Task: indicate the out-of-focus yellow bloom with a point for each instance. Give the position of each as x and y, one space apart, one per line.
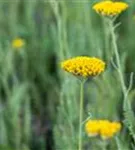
92 128
110 8
18 43
104 128
109 129
83 66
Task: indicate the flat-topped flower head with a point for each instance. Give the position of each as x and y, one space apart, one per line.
110 8
83 66
18 43
105 128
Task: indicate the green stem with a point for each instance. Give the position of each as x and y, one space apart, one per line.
119 68
81 114
104 145
126 104
107 35
119 146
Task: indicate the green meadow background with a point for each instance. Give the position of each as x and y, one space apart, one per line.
39 102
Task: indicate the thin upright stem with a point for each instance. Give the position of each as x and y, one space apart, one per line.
119 146
104 145
81 114
119 68
115 47
126 104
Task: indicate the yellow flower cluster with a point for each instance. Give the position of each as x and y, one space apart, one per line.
18 43
104 128
83 66
110 8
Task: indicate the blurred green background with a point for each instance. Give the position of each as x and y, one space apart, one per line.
39 103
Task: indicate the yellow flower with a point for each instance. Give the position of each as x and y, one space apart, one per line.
110 8
83 66
109 129
92 128
18 43
104 128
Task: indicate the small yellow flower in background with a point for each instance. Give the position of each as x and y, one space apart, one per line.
83 66
106 129
18 43
110 8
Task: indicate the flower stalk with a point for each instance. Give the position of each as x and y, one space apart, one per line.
81 114
118 64
126 104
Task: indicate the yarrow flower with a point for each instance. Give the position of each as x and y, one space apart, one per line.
83 66
110 8
18 43
106 129
92 127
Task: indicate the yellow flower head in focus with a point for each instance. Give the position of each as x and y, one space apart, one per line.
18 43
83 66
110 8
104 128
